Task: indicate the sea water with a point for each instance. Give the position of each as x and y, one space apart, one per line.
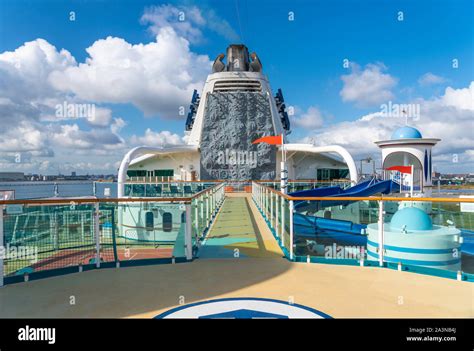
39 190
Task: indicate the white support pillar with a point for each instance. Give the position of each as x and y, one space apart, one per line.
188 239
291 229
1 245
97 235
381 233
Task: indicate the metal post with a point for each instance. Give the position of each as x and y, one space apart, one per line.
207 209
381 234
196 214
277 203
188 241
56 231
291 229
265 204
97 235
201 205
283 177
271 208
282 222
213 201
114 239
1 245
259 196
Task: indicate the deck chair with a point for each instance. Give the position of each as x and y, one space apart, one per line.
188 189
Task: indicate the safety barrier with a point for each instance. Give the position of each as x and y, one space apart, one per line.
44 237
338 230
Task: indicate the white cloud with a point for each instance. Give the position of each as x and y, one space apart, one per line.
460 98
187 21
27 69
157 77
367 87
448 117
311 119
117 125
430 79
151 138
100 117
23 137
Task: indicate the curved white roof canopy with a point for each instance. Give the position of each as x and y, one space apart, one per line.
142 151
145 151
346 156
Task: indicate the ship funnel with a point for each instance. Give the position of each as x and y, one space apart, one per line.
237 58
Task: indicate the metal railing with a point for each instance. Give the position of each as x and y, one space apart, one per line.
330 222
44 237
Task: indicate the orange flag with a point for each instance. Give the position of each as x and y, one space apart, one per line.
272 140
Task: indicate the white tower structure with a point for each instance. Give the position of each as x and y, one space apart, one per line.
407 147
235 107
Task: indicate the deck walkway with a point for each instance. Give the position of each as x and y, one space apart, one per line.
239 232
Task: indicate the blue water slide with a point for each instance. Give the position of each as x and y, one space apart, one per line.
467 247
366 188
330 230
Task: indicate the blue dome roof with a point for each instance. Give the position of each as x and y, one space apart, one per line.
406 132
412 218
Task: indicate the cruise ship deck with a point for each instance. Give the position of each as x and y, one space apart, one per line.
241 258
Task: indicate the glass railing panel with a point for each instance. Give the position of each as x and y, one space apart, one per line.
150 230
39 238
166 189
108 221
430 237
332 230
286 239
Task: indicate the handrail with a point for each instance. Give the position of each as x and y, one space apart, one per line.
188 199
202 192
368 198
172 181
69 201
234 181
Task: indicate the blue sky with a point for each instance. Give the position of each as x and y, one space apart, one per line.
304 57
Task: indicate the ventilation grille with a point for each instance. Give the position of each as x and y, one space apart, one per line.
238 85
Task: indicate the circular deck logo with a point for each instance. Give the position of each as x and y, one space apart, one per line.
242 308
